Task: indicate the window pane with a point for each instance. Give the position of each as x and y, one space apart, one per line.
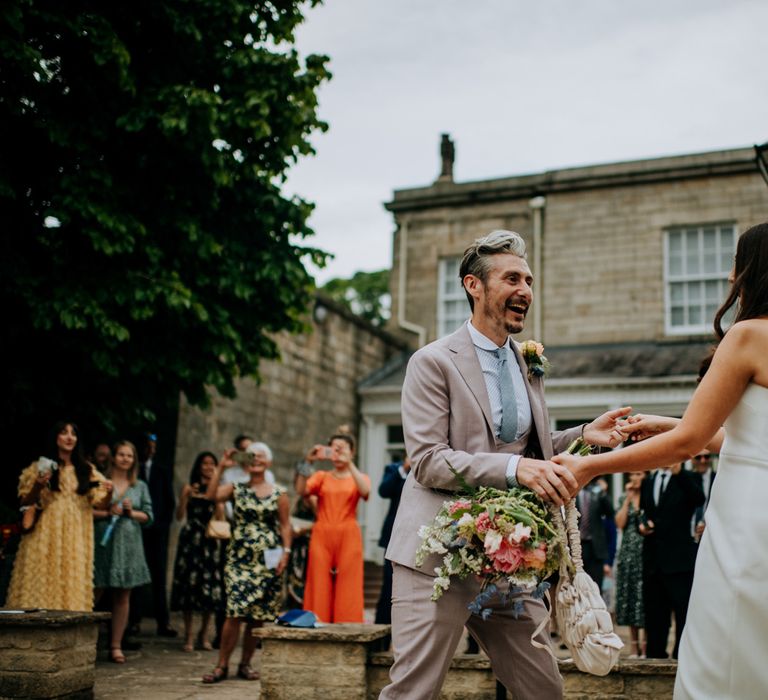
710 262
692 265
677 293
695 315
710 310
678 316
675 264
712 291
726 261
726 238
710 239
694 292
675 243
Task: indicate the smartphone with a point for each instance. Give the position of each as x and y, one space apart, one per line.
327 453
242 458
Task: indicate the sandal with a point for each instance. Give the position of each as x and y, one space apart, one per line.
245 672
188 647
219 674
116 655
203 643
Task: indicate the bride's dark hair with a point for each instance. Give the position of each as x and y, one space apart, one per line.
749 291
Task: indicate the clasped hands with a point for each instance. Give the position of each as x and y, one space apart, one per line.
560 479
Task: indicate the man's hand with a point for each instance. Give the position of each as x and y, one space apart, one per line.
606 430
550 481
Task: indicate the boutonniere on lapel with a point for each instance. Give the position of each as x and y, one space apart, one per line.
533 354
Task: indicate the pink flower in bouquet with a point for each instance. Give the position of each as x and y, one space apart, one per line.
507 557
536 558
459 505
483 522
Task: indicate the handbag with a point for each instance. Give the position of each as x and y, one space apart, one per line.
218 529
584 622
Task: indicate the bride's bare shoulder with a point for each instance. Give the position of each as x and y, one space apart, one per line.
752 329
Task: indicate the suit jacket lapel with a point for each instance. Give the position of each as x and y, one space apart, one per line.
466 362
536 401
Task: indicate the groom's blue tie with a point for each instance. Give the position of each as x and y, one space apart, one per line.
508 431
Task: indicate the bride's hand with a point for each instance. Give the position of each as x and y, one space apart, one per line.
642 426
577 467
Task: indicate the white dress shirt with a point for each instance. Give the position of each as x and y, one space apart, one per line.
489 363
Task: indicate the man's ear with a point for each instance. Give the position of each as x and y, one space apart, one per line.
473 285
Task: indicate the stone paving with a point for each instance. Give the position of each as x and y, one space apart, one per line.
160 670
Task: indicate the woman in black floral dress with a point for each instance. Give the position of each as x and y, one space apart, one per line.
256 557
629 565
197 579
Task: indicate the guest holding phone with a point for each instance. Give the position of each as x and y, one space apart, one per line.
334 590
54 563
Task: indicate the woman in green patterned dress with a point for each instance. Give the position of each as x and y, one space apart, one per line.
119 561
629 564
257 555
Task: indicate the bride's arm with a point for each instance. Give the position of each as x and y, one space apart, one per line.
732 368
642 426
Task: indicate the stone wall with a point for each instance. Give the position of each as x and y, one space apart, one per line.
302 398
345 662
48 654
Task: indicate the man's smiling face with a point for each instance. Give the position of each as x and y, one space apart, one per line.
503 300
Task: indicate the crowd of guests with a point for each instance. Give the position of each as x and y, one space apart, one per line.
661 517
85 540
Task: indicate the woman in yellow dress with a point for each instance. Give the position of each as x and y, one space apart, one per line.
54 563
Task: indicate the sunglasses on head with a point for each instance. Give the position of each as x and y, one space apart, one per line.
702 458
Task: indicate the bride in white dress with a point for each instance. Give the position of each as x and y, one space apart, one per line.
724 650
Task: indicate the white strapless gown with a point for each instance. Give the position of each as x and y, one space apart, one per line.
724 650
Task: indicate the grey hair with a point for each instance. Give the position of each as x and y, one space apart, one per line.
476 260
255 447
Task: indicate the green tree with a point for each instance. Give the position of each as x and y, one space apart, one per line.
365 293
148 248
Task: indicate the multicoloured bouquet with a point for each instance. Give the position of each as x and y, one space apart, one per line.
496 535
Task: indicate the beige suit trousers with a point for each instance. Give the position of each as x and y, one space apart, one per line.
426 635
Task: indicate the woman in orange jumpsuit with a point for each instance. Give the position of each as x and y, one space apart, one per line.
334 588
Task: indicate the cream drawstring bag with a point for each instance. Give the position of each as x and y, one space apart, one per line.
584 623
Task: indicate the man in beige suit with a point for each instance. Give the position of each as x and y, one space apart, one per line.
468 403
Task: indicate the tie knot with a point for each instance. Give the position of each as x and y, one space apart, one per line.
502 353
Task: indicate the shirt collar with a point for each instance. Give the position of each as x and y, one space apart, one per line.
482 341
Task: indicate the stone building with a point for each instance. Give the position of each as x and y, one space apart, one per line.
630 263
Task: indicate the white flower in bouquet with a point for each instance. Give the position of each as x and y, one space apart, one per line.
46 466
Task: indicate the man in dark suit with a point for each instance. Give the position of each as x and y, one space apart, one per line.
391 487
159 478
668 501
594 508
705 477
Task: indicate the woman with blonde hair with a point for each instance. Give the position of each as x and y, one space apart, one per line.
119 562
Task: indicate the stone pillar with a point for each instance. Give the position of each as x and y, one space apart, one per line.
327 663
48 654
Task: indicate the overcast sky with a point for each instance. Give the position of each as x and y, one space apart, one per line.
521 86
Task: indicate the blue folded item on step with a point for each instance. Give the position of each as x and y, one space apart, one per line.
299 618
